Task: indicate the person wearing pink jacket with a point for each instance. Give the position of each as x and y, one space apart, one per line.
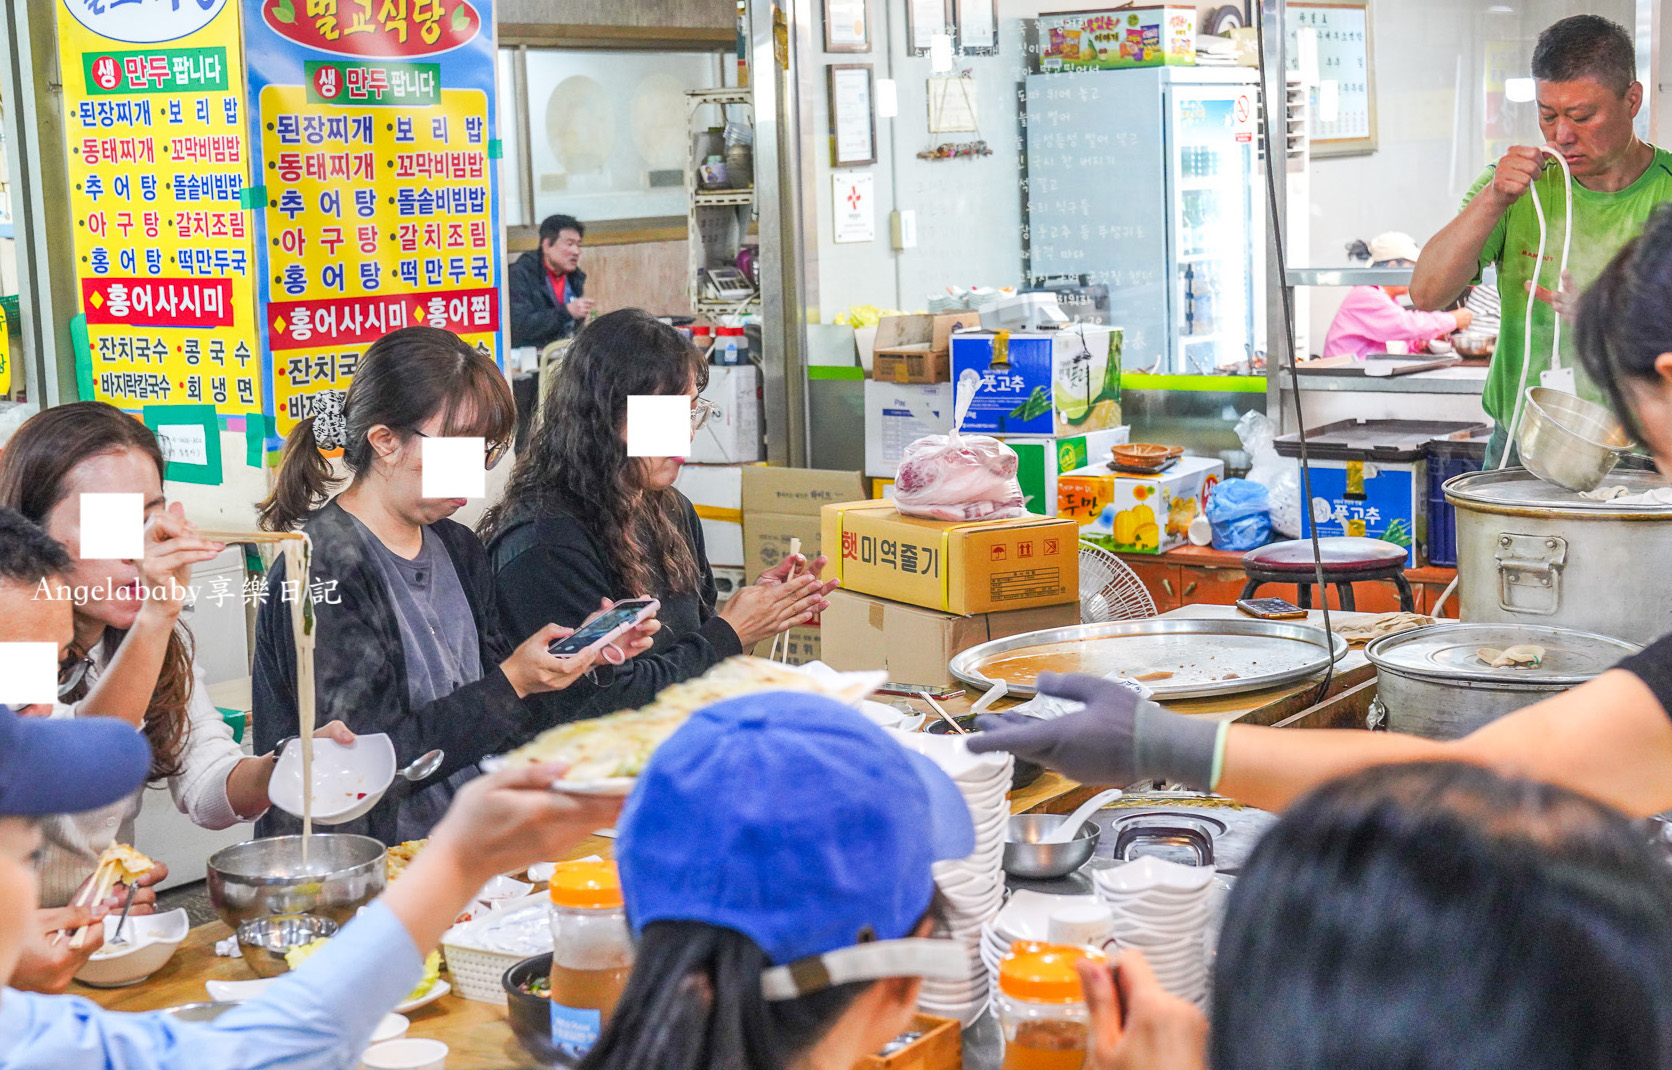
1371 316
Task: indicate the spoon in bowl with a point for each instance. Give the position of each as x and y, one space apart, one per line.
1067 830
423 765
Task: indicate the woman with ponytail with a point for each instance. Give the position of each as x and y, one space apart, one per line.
408 641
131 657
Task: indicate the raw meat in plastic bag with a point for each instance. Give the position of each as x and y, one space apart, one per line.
959 477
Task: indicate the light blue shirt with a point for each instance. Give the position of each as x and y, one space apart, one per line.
317 1017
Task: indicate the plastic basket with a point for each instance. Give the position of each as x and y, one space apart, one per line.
477 971
1446 459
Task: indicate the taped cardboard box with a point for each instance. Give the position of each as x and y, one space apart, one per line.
780 504
733 434
960 568
716 490
916 349
797 646
1138 514
914 644
898 414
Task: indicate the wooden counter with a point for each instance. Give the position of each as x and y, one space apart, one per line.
478 1034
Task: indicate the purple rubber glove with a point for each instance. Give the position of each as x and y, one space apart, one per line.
1117 739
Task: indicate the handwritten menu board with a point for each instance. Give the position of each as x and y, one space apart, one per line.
372 127
1330 45
164 249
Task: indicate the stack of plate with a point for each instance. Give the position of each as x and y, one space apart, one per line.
1163 909
1026 916
974 886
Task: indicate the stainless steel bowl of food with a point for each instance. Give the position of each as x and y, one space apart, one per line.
265 941
262 878
1026 857
1474 344
1567 440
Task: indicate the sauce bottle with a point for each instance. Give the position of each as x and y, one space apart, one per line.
1042 1007
592 954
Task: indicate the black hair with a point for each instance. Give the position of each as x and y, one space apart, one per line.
576 458
1358 249
553 226
1625 318
1586 46
694 1002
1440 916
28 554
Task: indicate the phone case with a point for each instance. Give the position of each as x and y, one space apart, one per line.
615 633
1271 609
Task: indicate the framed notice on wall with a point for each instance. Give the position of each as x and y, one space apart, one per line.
926 20
1329 44
853 123
847 26
977 23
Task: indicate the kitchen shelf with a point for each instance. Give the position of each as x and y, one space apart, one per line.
724 197
717 220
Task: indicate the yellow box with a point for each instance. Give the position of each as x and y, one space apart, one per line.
977 567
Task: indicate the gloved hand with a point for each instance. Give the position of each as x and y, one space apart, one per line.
1117 739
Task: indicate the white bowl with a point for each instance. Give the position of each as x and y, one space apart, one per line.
348 780
150 940
392 1027
1027 916
1147 873
408 1054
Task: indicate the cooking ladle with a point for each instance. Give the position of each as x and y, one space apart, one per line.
423 765
1067 830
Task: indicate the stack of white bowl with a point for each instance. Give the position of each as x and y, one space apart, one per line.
1162 909
973 887
1026 916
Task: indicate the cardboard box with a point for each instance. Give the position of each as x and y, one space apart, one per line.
915 349
898 414
1049 383
967 568
1110 40
732 435
717 492
914 644
1041 460
882 489
1138 514
797 646
780 504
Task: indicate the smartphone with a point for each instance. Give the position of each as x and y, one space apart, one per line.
1271 609
606 627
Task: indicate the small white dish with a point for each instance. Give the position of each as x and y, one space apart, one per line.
1148 873
223 991
149 941
392 1027
348 779
437 990
1027 916
412 1053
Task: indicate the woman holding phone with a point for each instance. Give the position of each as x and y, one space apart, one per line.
408 638
581 521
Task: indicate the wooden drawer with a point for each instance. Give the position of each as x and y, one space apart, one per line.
1161 577
1210 586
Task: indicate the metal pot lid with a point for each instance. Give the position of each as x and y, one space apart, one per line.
1450 652
1517 488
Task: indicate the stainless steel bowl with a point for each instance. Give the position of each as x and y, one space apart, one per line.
262 878
207 1011
1569 441
1026 857
264 941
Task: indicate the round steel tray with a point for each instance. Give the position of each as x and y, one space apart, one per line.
1201 653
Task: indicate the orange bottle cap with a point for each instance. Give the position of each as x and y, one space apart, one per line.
586 885
1045 973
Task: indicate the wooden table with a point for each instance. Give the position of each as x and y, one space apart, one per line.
478 1034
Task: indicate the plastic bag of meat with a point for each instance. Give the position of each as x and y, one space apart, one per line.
959 477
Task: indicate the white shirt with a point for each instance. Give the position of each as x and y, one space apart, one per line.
73 843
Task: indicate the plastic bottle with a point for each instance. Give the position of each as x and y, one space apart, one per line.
729 347
1042 1007
592 954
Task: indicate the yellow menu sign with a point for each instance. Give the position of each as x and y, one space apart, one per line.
158 166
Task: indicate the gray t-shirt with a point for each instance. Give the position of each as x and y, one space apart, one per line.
443 651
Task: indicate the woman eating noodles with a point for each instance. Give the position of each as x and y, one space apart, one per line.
131 657
408 640
319 1016
582 521
1610 738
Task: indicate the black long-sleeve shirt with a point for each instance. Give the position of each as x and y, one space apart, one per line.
360 667
550 570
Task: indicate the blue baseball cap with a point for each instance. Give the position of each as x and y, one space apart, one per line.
792 819
67 766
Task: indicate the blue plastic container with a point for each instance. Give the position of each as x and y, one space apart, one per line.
1445 460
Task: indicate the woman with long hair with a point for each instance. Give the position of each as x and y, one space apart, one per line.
1424 916
131 657
582 521
408 641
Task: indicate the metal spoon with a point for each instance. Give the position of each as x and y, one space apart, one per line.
121 923
1071 826
424 765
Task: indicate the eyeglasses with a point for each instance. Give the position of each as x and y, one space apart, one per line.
493 452
702 411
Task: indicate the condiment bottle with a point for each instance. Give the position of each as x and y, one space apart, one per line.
592 954
1042 1007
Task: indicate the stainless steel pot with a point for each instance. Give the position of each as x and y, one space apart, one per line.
1532 553
1432 682
261 878
1569 441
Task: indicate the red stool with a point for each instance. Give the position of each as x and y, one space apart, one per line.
1347 560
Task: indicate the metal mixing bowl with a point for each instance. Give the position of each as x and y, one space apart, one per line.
264 941
261 878
1569 441
1026 857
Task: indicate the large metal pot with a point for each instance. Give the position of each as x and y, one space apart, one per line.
1532 553
262 878
1432 681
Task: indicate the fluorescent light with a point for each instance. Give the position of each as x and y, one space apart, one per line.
1519 90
